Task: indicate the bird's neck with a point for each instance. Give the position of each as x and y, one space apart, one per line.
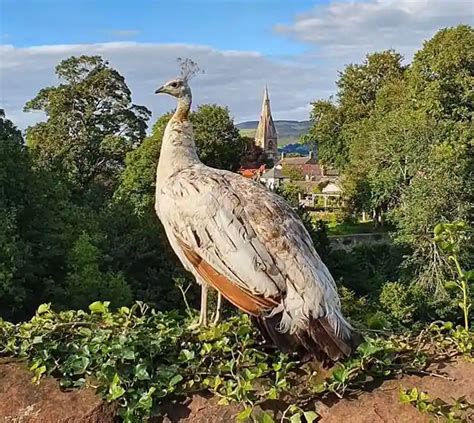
184 106
178 150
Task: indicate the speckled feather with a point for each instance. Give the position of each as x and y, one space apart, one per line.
249 236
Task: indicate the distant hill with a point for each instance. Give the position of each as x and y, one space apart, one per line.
289 131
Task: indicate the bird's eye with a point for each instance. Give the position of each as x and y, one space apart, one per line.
174 84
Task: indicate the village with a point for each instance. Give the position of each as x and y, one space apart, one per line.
319 186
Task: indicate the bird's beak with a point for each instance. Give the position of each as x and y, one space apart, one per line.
160 90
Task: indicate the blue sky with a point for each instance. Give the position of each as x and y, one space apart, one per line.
223 24
296 47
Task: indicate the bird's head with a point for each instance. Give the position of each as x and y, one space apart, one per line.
179 87
176 87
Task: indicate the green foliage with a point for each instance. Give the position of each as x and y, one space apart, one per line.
290 192
358 86
85 281
217 139
450 237
292 172
402 137
397 300
137 182
91 123
459 411
365 269
142 358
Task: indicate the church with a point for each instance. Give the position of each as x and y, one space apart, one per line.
266 136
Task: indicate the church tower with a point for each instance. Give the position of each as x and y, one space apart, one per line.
266 136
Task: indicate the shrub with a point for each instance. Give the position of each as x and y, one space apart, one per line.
398 301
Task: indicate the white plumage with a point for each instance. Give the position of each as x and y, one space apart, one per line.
236 236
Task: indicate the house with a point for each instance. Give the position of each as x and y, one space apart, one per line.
273 178
308 166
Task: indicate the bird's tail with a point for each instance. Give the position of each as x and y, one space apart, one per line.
317 340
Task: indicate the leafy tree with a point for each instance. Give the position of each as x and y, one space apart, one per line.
91 123
137 182
293 172
217 139
442 74
254 155
33 211
357 86
86 283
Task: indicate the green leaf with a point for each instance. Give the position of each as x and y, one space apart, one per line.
296 418
244 414
310 416
128 354
141 372
266 418
115 391
175 380
79 365
43 308
98 307
438 229
469 275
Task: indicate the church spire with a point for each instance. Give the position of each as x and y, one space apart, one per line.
266 135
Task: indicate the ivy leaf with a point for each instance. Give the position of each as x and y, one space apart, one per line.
175 380
244 414
296 418
141 372
310 416
266 418
97 307
43 308
79 365
115 391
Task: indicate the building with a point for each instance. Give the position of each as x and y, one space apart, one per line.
266 136
273 178
307 166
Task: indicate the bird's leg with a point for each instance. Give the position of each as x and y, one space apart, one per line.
203 314
217 315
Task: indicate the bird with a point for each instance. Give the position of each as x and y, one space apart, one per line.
234 235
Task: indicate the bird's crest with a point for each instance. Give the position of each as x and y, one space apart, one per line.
189 68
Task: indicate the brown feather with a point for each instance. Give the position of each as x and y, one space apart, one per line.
241 298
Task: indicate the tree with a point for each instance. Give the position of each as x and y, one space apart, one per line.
358 86
91 123
217 139
254 155
33 211
442 74
293 172
86 283
137 182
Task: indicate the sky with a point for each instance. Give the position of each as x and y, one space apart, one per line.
296 47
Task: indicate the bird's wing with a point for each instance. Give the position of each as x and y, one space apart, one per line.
247 243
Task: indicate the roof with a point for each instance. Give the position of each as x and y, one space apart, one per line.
332 187
274 173
298 161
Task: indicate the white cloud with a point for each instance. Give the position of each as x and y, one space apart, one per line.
231 78
337 33
349 29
